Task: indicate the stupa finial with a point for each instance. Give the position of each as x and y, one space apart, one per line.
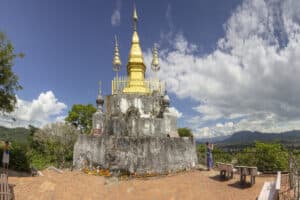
116 60
155 59
135 18
100 99
135 54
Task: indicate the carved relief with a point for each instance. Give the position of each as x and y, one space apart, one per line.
131 117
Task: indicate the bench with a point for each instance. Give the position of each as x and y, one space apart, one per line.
5 193
244 171
226 170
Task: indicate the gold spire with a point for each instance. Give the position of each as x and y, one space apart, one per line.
116 60
135 66
135 54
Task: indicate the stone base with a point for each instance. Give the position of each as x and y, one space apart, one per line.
133 115
138 155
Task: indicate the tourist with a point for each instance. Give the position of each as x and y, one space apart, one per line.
209 156
5 156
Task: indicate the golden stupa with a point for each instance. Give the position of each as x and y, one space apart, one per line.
135 66
135 81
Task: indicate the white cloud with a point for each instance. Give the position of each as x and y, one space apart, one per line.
45 109
60 118
251 79
116 16
174 111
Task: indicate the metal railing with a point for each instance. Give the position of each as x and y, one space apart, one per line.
119 83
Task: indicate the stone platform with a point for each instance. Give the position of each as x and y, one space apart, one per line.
135 154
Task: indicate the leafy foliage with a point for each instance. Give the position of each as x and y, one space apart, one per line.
247 157
267 157
54 145
185 132
81 117
201 153
221 156
19 159
40 161
8 80
32 129
218 155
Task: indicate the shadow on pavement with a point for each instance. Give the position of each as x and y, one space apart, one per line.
219 178
238 185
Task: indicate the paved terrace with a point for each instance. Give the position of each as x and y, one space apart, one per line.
187 185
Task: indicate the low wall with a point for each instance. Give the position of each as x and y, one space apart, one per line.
135 154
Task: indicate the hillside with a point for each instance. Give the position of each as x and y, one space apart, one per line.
249 137
14 134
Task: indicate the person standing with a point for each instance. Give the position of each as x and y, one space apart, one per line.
209 156
5 157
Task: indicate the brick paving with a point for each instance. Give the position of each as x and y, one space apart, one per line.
188 185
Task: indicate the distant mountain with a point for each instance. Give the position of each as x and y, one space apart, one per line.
249 137
14 134
212 139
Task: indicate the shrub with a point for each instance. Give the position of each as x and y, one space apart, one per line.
266 156
247 157
40 161
221 156
19 159
185 132
201 153
54 145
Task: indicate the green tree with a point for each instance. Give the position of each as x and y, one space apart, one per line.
32 130
81 117
219 155
9 83
266 156
185 132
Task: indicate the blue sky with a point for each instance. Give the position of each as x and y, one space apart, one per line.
69 46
